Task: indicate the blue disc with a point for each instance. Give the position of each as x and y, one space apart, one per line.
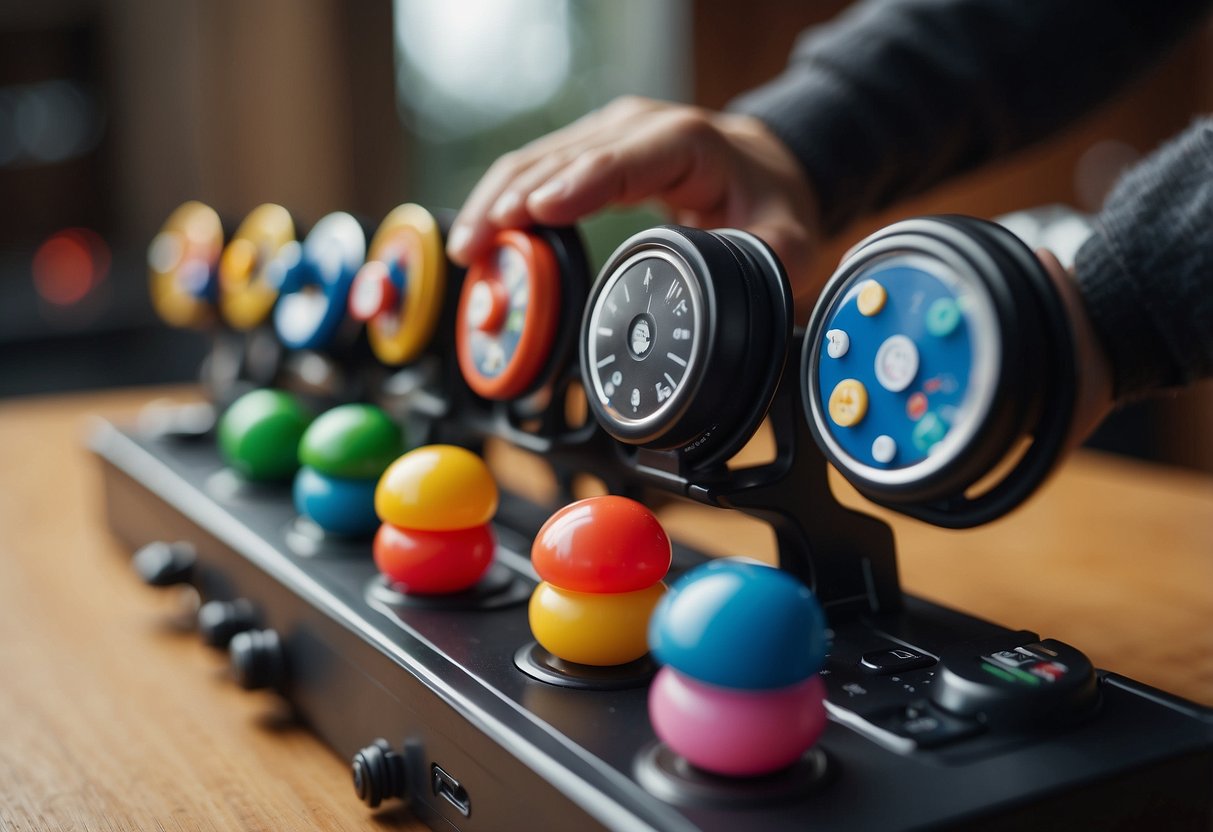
916 346
340 506
739 624
316 289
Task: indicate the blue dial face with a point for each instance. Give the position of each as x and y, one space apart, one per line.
313 303
493 350
905 369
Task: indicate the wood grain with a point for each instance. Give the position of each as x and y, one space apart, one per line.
114 717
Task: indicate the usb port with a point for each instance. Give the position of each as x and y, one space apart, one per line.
448 787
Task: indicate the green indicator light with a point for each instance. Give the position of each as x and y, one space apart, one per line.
998 672
1024 676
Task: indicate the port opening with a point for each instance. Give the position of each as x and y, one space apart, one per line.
448 787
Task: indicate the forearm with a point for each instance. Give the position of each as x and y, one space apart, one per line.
1146 275
897 95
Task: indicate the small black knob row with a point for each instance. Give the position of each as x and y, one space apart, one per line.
258 659
378 773
220 621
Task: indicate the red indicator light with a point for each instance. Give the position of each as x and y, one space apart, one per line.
69 264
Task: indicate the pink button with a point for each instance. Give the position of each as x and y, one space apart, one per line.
737 733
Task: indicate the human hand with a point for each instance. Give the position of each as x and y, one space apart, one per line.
707 169
1093 373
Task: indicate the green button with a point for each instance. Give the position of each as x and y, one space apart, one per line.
997 672
942 317
928 431
352 441
259 434
1010 674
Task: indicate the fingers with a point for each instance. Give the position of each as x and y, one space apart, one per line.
502 191
708 169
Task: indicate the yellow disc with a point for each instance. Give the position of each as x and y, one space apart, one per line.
409 235
190 240
848 403
593 628
245 296
872 297
436 488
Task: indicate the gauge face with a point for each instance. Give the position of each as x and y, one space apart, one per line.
245 296
906 367
644 343
308 318
509 311
182 263
409 243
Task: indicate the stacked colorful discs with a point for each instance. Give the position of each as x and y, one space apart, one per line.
259 434
435 503
342 454
739 694
183 262
602 561
246 295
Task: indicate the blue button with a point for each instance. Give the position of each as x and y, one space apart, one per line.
739 624
337 505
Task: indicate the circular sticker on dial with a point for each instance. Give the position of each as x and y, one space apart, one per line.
896 363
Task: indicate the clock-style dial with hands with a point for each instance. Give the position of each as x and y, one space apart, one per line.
644 344
684 340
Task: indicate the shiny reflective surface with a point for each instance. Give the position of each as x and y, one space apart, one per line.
437 488
602 544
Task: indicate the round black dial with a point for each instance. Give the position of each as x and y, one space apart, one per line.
644 342
937 350
684 339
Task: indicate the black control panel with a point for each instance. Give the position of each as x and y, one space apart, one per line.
935 719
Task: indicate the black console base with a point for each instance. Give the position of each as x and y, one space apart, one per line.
487 746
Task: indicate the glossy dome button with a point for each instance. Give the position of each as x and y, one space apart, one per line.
259 434
340 506
740 625
602 544
353 441
436 488
737 733
590 628
433 563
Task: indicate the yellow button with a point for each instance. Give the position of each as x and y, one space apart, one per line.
871 298
436 488
848 403
595 628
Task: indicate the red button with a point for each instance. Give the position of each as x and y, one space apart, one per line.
916 406
433 563
603 544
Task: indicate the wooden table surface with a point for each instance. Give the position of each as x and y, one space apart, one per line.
113 716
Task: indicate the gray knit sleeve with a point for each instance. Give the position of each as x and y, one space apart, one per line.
896 95
1146 274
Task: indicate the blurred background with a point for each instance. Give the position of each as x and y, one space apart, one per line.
113 112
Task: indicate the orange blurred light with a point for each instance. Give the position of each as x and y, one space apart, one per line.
69 264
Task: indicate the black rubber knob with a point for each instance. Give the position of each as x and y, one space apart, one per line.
258 660
219 621
378 773
1018 682
165 564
